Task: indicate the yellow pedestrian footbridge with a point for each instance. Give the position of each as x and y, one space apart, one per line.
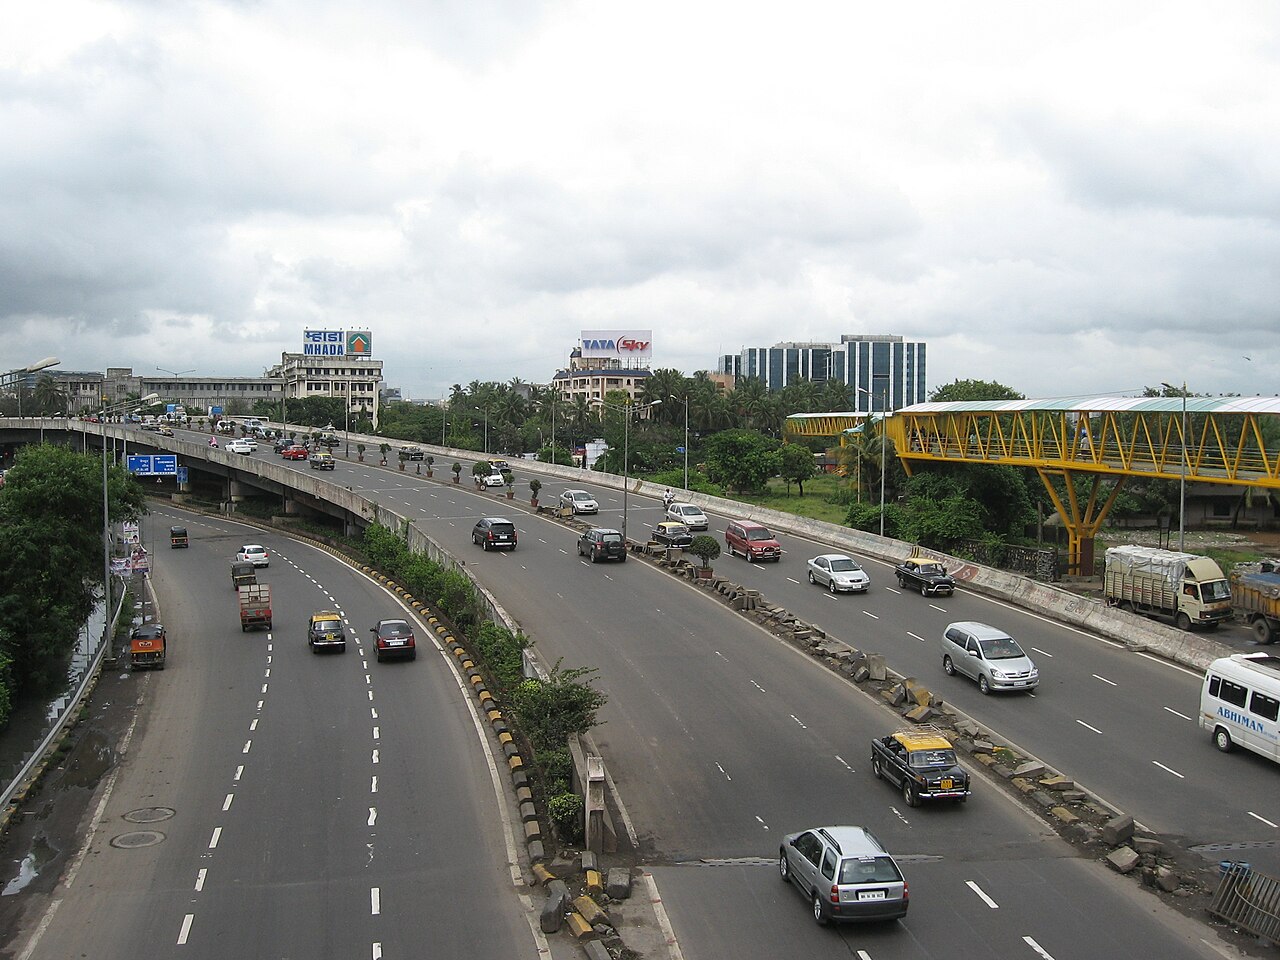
1078 444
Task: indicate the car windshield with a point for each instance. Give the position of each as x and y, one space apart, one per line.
931 569
581 496
870 870
503 528
759 534
844 565
327 626
610 538
1215 590
932 758
394 628
1002 648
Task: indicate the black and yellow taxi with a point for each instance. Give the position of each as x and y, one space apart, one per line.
326 632
922 763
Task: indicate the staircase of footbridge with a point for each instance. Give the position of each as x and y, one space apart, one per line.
1083 448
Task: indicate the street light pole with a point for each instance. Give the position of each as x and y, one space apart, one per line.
686 441
1182 470
627 409
883 451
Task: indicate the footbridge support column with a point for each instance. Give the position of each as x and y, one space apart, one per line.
1080 520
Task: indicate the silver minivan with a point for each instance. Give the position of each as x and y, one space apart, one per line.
987 655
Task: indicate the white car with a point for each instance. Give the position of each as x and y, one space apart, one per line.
495 480
253 444
838 573
254 553
238 446
691 516
579 501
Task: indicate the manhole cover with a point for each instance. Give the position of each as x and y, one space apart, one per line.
149 815
139 838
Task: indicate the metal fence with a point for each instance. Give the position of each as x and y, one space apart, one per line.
1249 900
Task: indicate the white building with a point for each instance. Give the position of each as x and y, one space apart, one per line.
355 379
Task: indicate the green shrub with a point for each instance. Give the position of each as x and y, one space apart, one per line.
502 652
556 767
565 812
548 711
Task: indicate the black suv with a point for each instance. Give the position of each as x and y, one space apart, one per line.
599 543
494 532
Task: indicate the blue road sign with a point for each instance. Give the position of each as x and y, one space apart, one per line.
154 465
679 449
182 474
141 465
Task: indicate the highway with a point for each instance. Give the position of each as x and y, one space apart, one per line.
721 740
276 803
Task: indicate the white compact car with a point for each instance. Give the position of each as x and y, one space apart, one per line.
688 514
254 553
838 573
238 446
579 501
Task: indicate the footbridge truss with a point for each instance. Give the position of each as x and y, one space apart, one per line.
1081 446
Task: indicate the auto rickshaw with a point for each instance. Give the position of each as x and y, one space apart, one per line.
178 538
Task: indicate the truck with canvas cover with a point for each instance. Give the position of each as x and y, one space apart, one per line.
1185 588
255 606
1255 599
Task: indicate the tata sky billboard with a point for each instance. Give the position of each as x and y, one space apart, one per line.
629 346
337 343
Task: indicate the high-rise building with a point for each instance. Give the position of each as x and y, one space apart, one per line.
885 372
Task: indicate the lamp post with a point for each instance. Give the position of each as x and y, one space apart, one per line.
686 439
1182 469
883 427
627 410
175 374
106 518
29 368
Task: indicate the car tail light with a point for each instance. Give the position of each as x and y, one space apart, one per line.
906 893
835 893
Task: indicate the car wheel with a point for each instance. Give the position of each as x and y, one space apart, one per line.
811 579
623 558
875 768
819 914
909 794
784 868
413 654
1222 740
831 585
984 685
901 583
948 667
750 557
484 545
1182 622
923 588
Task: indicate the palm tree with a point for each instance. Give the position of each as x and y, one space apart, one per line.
47 398
748 400
837 397
663 385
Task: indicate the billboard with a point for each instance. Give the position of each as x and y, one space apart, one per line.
337 343
629 346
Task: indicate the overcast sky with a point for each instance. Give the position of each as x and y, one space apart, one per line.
1068 198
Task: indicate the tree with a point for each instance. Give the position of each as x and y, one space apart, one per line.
741 460
795 462
51 556
974 390
47 397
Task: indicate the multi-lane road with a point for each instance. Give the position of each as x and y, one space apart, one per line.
275 803
721 739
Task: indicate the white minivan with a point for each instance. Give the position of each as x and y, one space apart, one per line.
1240 703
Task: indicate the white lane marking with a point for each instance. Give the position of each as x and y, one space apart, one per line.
377 733
377 947
985 899
938 608
375 900
264 688
254 725
213 840
1087 727
831 597
375 756
374 712
845 762
364 664
1177 714
1168 769
721 769
267 675
1263 819
762 823
373 785
226 804
247 745
367 678
200 875
797 720
793 579
370 695
870 614
1037 948
898 813
260 703
239 773
916 635
1105 680
373 816
722 656
268 658
892 590
268 648
186 928
1043 653
757 686
862 954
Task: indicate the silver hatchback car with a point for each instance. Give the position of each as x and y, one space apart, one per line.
987 655
845 872
838 573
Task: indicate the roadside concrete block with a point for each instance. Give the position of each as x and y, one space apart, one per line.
1064 815
532 831
1122 859
595 883
875 666
589 860
596 950
528 811
579 927
1083 832
1167 880
536 851
1117 831
983 746
917 692
619 883
1057 783
554 906
1147 845
919 714
542 875
591 911
1029 769
861 674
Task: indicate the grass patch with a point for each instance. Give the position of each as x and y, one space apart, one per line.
815 504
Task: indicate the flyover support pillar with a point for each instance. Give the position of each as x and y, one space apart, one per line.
1080 520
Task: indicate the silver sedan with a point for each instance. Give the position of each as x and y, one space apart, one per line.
838 573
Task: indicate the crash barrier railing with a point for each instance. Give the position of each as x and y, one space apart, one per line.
83 670
1249 900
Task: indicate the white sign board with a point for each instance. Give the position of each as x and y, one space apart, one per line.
629 346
